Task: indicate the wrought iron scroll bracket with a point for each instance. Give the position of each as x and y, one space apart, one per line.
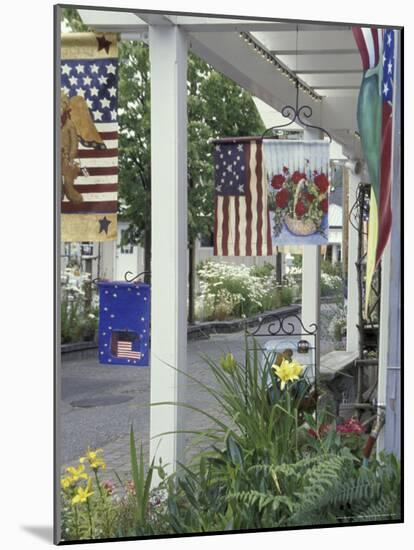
294 114
131 280
281 326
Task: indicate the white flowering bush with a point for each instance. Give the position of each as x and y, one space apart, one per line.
331 285
234 290
79 306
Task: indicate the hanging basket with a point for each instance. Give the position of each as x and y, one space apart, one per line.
300 227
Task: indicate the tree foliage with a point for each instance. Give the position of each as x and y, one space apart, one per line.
216 107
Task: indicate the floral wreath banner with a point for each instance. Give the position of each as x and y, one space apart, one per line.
298 189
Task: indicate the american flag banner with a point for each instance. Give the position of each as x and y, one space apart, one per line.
89 137
384 212
241 216
122 345
124 323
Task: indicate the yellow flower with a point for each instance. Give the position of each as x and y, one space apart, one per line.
66 482
82 494
228 362
287 372
297 368
92 458
77 473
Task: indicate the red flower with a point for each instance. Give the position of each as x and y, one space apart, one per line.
324 206
300 209
285 169
351 426
282 198
297 176
309 197
322 183
278 181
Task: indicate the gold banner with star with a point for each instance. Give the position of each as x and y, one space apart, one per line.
89 137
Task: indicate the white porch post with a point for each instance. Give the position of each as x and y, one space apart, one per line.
311 285
168 56
352 334
311 278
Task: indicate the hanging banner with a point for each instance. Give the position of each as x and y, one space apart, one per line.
89 137
298 187
241 215
124 323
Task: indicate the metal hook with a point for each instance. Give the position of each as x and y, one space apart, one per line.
294 113
136 276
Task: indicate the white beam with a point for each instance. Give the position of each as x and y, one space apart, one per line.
352 334
168 56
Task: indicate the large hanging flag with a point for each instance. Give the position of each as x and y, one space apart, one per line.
89 137
388 70
298 186
374 114
241 214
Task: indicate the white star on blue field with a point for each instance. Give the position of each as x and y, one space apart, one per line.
96 81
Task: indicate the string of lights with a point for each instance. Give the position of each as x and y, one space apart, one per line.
281 67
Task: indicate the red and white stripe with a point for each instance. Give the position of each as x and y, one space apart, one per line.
99 188
369 42
241 223
124 349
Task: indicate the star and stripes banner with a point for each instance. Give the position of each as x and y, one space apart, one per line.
89 137
377 49
124 323
241 220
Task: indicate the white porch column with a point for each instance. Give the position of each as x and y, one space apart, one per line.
335 253
311 277
352 334
311 286
168 56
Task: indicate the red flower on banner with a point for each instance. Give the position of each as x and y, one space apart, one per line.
297 176
309 197
278 181
300 209
285 169
282 198
322 183
324 206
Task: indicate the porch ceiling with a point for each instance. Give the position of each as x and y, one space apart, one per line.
325 58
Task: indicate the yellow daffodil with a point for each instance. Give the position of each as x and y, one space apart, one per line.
297 368
66 482
287 372
228 362
82 494
77 473
92 458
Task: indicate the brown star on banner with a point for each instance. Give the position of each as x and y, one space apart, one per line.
103 43
104 224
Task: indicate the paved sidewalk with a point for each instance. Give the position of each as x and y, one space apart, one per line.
99 403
